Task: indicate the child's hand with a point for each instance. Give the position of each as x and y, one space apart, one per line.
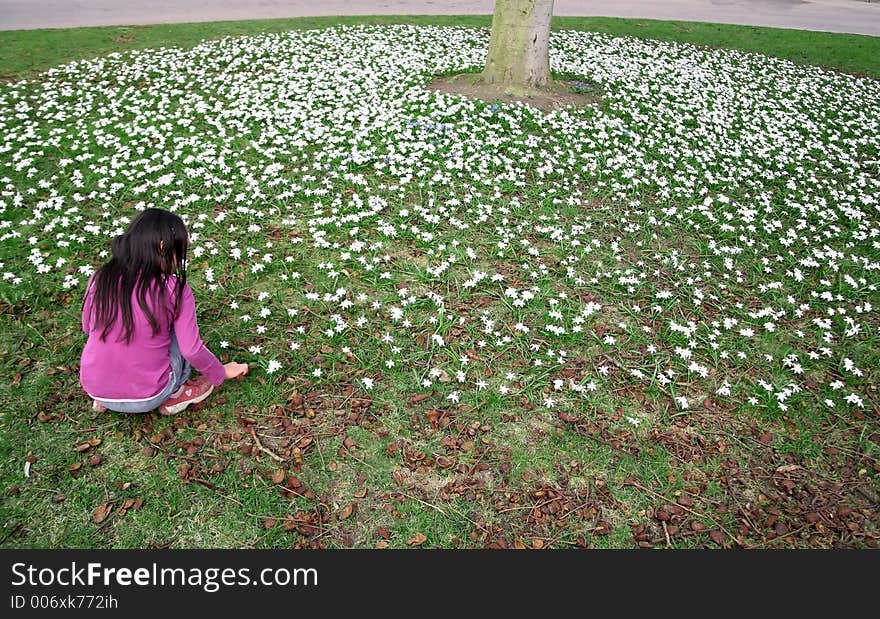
235 370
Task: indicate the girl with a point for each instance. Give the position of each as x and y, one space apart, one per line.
140 316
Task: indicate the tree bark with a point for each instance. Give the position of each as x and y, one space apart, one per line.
519 45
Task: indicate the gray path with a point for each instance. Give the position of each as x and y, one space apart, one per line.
856 16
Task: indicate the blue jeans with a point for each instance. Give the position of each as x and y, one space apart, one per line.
180 371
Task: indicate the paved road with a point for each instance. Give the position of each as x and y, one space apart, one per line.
856 16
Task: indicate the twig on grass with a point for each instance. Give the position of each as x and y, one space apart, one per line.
37 331
91 428
425 503
432 506
768 541
354 457
320 453
12 532
695 513
266 451
240 504
520 507
171 454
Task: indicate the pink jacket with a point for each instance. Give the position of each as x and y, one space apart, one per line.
141 369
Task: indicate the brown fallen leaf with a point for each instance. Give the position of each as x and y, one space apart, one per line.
82 447
382 544
537 543
346 511
101 512
417 540
717 536
418 398
74 466
603 527
788 468
444 462
278 476
360 495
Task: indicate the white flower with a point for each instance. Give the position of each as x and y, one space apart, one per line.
853 398
273 367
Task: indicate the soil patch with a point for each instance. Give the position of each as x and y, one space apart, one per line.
558 94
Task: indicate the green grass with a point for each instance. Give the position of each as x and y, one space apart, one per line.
603 477
25 52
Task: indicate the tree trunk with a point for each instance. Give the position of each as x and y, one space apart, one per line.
519 46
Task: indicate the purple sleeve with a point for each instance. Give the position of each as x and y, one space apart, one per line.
191 346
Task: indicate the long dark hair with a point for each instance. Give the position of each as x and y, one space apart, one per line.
144 256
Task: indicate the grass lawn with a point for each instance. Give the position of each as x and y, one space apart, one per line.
649 322
26 52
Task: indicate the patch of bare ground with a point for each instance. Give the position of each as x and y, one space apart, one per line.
558 93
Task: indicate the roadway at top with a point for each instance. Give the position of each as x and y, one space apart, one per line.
852 16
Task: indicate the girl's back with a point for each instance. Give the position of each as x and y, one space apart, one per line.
139 369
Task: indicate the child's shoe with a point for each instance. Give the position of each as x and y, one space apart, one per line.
191 392
98 407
